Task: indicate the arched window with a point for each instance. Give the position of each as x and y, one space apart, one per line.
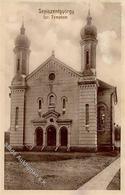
40 104
23 66
87 57
16 117
51 100
101 117
87 114
18 64
64 100
64 103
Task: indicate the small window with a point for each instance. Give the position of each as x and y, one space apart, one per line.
51 120
18 64
51 100
51 76
16 116
87 114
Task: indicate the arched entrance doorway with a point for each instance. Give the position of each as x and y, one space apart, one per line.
39 136
51 136
63 136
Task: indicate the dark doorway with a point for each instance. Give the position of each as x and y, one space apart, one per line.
63 136
39 136
51 136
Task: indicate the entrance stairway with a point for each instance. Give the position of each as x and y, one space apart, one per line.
62 149
49 149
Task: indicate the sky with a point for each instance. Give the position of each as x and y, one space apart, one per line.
62 36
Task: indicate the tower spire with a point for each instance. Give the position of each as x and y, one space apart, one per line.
22 52
89 18
22 29
88 46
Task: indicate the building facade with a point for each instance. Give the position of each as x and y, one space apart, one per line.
58 108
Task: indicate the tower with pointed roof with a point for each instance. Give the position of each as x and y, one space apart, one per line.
88 86
22 52
88 47
18 88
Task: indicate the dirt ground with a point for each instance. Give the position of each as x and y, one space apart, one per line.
55 175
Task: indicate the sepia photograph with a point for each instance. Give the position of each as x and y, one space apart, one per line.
61 95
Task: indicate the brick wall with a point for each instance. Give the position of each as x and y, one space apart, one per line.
88 95
17 100
65 84
104 137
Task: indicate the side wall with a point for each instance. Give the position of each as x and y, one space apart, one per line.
88 135
105 136
16 132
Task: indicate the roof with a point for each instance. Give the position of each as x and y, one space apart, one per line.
52 57
104 85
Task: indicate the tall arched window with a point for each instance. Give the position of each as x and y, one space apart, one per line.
23 66
87 57
52 100
16 117
101 117
18 64
87 114
40 104
64 103
64 100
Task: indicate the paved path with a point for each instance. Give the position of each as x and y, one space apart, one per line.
102 180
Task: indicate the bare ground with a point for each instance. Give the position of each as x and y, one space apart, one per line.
56 175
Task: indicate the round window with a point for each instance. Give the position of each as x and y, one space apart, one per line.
51 76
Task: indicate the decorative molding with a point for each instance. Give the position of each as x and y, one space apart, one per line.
64 121
37 122
87 86
12 87
53 63
51 113
14 91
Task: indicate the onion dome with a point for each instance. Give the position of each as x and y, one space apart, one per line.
89 31
22 40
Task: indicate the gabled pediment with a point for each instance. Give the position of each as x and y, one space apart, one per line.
51 113
53 62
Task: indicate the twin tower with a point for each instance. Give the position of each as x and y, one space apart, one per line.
88 52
